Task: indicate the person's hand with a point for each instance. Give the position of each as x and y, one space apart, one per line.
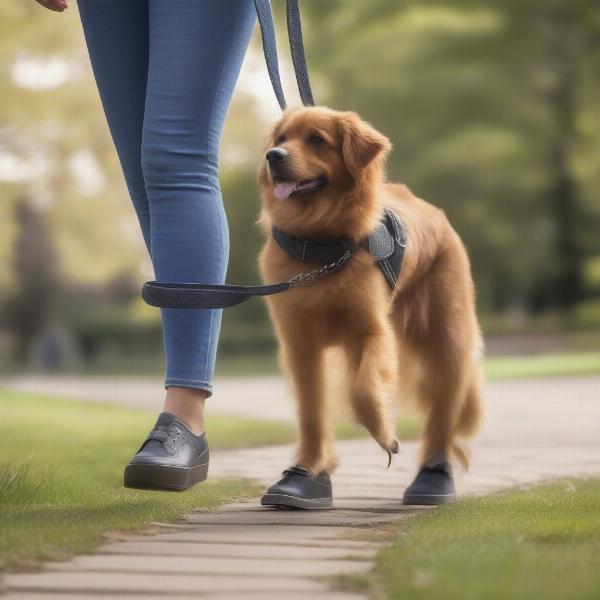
56 5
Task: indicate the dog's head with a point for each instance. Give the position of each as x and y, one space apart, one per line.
321 171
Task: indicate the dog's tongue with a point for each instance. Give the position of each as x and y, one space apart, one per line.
283 189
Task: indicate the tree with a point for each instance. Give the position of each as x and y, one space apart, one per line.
37 275
490 108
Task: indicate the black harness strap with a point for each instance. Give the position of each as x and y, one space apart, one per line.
320 251
386 244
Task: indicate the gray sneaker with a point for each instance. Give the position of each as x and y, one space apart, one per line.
299 488
434 484
171 457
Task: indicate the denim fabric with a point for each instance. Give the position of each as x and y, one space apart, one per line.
166 70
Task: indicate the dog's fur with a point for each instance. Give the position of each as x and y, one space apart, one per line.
427 325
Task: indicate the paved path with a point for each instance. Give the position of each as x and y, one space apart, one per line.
536 430
269 398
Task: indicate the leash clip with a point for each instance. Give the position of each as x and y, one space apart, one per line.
311 276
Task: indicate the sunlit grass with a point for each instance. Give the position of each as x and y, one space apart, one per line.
542 542
496 367
543 365
61 474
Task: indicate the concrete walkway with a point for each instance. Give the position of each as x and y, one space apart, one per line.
536 430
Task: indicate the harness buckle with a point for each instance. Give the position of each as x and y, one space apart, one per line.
304 248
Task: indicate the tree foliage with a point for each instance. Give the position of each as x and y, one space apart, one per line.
492 108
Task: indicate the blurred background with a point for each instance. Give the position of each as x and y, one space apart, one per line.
492 108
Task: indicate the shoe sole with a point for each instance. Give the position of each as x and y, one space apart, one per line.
284 501
160 477
434 499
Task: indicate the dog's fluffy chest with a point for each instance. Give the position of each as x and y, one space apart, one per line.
346 302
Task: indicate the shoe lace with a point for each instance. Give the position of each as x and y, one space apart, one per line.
165 434
297 470
438 468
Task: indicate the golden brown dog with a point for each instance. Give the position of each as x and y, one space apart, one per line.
328 180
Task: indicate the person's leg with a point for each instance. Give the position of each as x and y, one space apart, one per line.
116 34
118 42
196 50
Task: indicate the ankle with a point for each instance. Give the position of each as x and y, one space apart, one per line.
187 404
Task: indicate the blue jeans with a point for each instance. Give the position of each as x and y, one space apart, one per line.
166 70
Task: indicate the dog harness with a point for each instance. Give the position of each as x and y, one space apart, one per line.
386 244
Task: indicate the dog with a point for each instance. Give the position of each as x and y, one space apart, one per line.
323 177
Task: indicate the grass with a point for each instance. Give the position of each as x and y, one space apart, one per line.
61 469
542 542
496 367
543 365
265 364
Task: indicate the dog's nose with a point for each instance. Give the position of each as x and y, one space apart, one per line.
276 155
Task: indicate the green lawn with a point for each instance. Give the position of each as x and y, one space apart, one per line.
543 365
61 469
542 542
496 367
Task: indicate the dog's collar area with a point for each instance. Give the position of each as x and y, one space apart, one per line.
321 251
386 243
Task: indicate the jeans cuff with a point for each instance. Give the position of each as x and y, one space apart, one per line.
196 384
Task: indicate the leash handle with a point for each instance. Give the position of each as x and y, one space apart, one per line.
269 42
204 295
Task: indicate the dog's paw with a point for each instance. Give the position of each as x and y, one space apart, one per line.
393 448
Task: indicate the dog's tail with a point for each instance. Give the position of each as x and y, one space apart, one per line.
470 416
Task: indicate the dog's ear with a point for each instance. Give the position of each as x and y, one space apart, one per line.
361 143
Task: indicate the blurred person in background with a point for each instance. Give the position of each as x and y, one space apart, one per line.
166 71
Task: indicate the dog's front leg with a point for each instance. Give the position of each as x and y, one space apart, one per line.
304 361
371 364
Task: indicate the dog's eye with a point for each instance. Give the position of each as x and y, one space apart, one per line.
280 139
315 139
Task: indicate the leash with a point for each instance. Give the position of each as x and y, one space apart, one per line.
386 243
200 295
294 27
269 43
203 295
